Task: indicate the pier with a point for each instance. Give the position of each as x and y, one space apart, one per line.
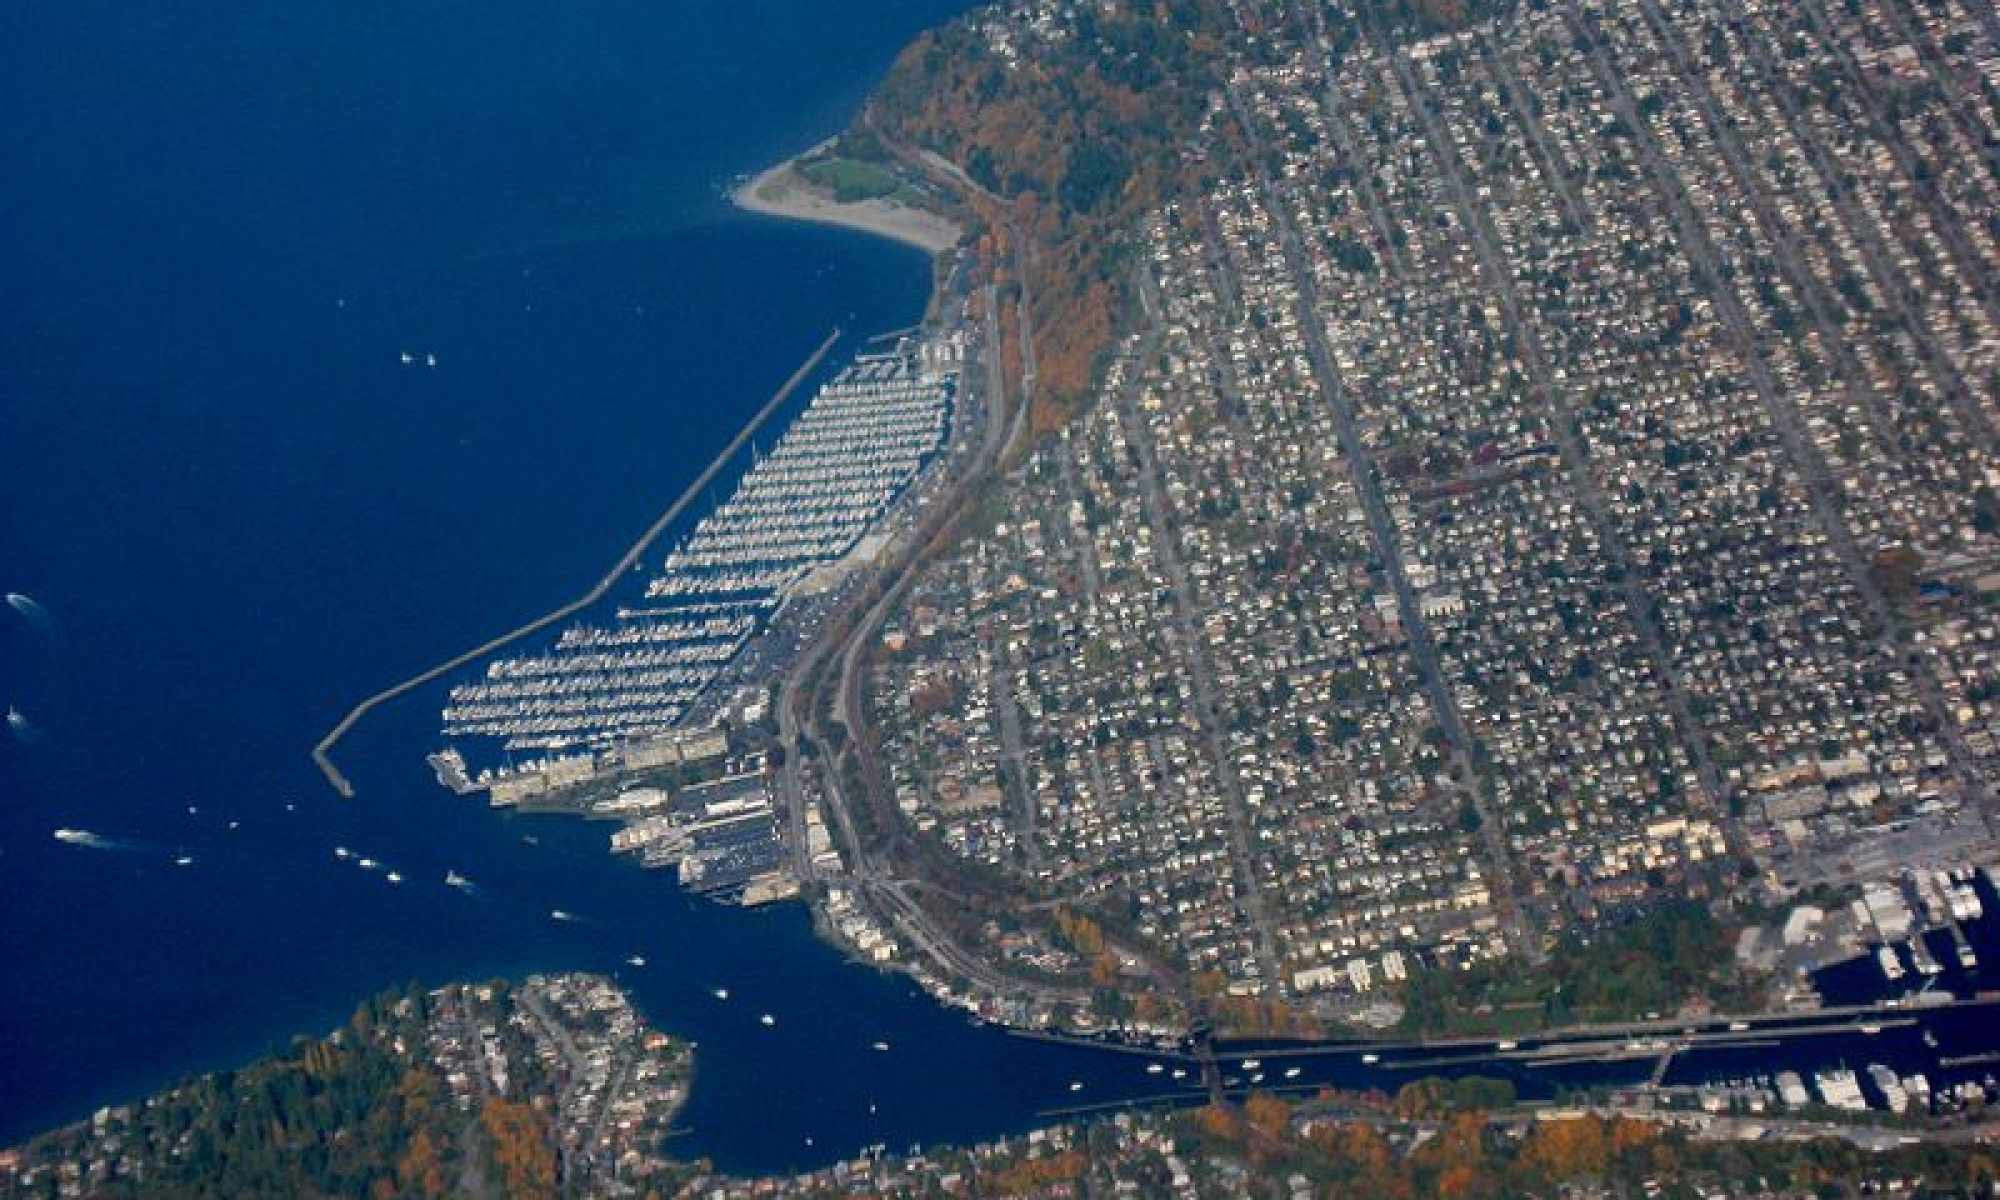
322 753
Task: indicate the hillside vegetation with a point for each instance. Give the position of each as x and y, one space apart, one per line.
1077 131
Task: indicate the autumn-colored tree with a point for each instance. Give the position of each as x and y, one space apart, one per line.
1037 1174
1627 1134
419 1170
1084 935
1574 1148
1458 1156
521 1146
1220 1121
1462 1183
1268 1114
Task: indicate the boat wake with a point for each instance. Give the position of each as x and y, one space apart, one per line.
95 841
38 618
25 731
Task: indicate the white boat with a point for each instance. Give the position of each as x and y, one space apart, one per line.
235 824
721 993
637 960
75 837
185 860
768 1019
454 879
1371 1059
342 852
1179 1073
1257 1078
1738 1026
368 864
430 360
1292 1072
394 877
1920 954
882 1047
557 914
1841 1089
408 358
1892 967
1076 1085
1251 1064
1508 1046
1154 1068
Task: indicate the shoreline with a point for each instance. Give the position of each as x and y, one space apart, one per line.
778 191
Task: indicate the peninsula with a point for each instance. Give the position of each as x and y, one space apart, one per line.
558 1086
826 187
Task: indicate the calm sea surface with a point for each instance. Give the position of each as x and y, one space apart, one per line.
223 226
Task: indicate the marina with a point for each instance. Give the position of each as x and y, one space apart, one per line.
599 722
863 439
322 753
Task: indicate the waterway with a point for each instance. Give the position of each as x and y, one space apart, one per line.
224 228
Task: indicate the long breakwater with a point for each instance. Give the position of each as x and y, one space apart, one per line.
322 753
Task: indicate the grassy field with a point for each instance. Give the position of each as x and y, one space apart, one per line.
852 181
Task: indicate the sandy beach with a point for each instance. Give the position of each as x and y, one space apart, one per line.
781 192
